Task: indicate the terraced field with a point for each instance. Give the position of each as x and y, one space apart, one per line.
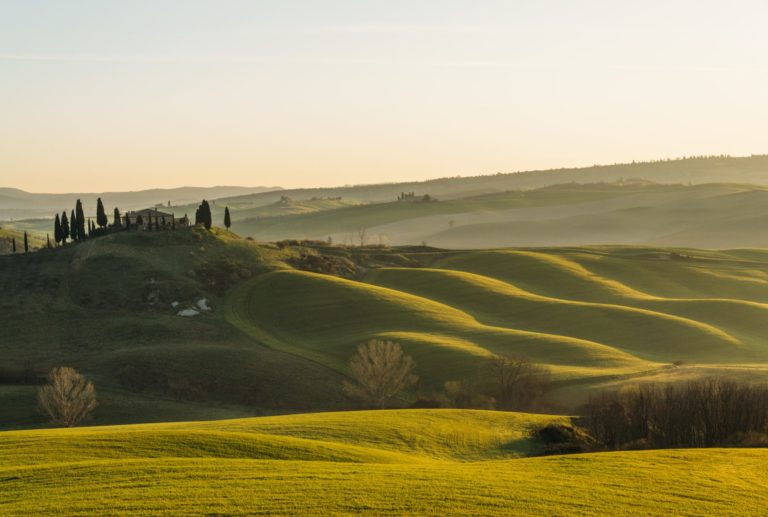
428 462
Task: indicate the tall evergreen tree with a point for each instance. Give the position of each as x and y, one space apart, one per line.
149 222
117 218
13 245
64 227
127 223
26 243
205 215
57 230
74 227
101 215
80 219
48 240
227 220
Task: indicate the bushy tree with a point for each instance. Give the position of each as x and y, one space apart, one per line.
101 215
380 371
67 398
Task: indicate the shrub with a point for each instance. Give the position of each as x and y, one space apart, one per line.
67 398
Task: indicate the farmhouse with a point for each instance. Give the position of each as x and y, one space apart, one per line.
140 219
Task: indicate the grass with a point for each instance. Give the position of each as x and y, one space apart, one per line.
428 462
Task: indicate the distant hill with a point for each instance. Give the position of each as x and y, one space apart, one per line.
707 216
18 204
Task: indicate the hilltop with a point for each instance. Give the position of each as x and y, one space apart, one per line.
286 318
383 462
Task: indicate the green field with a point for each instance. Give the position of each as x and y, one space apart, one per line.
284 330
429 462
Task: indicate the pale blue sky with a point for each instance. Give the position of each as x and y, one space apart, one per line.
106 95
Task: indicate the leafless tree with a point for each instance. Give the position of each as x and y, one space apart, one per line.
67 398
362 235
518 383
380 371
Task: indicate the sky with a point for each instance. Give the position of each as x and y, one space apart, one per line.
131 94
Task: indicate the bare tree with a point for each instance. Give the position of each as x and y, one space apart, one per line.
381 371
362 235
518 383
67 398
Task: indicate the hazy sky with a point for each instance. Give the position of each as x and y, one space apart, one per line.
113 95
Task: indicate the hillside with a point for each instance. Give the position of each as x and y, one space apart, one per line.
706 216
418 461
283 328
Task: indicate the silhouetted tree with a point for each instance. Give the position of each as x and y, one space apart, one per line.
57 230
149 222
80 220
227 220
74 227
64 227
13 244
139 221
101 216
26 243
117 218
127 223
48 240
205 215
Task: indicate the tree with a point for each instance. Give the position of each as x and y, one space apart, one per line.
127 223
80 220
74 227
227 220
117 218
205 215
67 398
64 227
139 221
48 240
149 222
57 230
101 216
26 243
518 383
380 371
13 244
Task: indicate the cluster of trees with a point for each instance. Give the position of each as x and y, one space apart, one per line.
203 215
77 227
701 413
411 196
380 371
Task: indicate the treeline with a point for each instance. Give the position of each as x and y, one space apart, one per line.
702 413
77 228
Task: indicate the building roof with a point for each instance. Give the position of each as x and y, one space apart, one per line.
154 212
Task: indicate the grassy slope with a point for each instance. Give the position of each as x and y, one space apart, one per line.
404 462
711 215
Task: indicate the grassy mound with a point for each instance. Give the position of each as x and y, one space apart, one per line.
387 462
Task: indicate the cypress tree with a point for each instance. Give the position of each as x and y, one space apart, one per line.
205 214
48 240
149 224
139 222
101 216
127 223
73 226
227 220
80 219
13 245
116 224
57 230
26 243
64 228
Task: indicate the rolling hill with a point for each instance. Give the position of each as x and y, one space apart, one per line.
384 462
284 320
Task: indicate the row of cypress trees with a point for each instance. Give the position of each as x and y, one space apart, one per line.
74 227
203 216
